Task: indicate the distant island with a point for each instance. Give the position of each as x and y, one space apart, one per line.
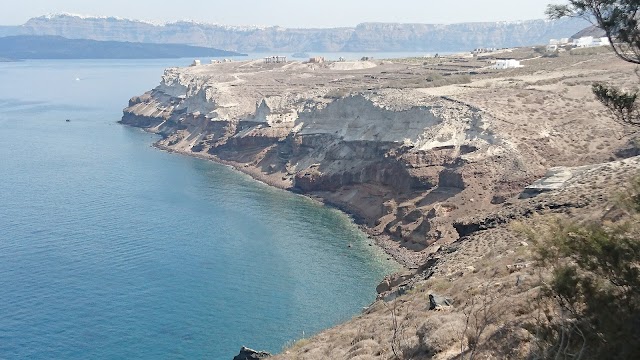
56 47
365 37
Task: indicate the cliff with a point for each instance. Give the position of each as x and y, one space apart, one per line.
406 156
364 37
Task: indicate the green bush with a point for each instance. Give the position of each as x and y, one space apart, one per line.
622 104
594 287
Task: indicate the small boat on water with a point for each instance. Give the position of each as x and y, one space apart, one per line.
300 55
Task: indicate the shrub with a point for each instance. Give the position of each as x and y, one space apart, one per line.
622 104
433 77
595 287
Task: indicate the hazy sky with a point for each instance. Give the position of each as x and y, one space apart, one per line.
288 13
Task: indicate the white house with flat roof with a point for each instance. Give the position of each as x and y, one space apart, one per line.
506 64
603 41
584 41
590 41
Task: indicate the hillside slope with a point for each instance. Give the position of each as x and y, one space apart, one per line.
433 157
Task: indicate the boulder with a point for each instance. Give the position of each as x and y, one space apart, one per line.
438 302
250 354
391 281
517 267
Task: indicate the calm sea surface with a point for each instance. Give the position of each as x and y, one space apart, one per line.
112 249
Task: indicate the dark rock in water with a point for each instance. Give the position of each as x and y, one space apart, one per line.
438 302
68 120
250 354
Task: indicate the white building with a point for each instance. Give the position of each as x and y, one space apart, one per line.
196 62
506 64
483 50
584 41
590 41
603 41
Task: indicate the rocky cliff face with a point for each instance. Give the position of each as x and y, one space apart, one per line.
364 37
456 37
539 122
402 162
406 159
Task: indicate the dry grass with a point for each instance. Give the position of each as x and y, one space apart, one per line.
589 51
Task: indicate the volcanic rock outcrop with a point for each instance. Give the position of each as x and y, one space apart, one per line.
394 158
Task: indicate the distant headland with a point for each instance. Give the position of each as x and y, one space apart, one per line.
57 47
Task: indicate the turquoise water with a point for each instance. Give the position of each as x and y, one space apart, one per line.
112 249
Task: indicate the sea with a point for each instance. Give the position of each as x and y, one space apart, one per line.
113 249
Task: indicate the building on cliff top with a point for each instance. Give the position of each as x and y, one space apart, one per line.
590 41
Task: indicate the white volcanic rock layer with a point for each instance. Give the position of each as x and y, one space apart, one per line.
298 126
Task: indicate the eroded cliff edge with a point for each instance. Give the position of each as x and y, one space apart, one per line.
398 160
372 138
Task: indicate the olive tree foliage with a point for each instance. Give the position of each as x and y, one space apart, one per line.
621 103
619 20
